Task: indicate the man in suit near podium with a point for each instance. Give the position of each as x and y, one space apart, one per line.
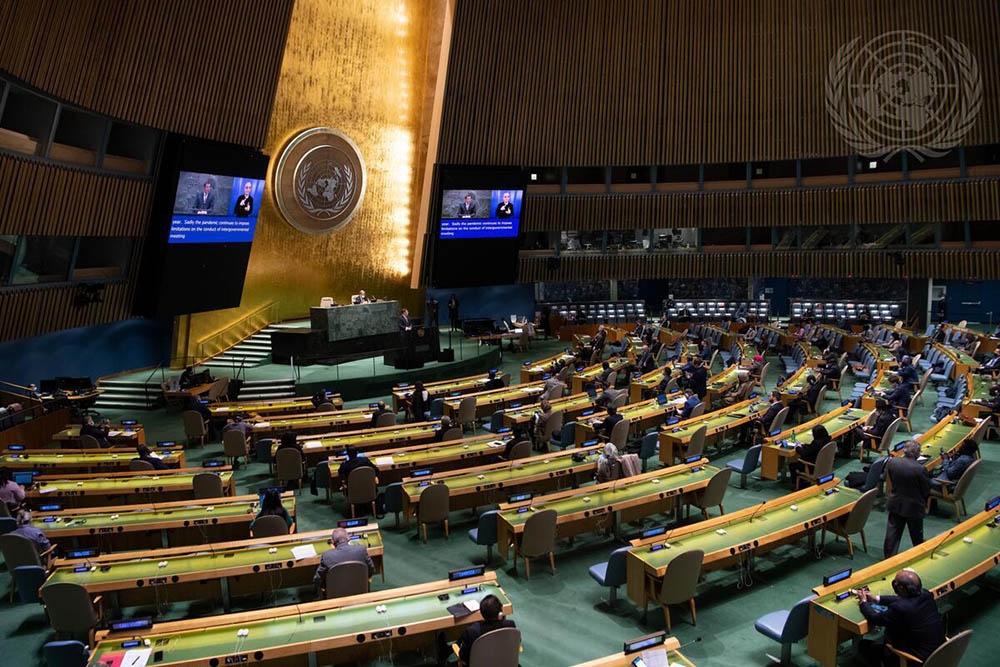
204 200
467 208
360 298
404 321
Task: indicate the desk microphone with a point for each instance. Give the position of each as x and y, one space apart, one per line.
759 508
936 546
685 645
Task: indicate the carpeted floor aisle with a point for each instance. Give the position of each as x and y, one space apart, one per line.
559 616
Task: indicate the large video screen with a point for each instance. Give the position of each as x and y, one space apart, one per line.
476 242
212 208
480 214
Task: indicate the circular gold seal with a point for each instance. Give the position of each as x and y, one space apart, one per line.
319 180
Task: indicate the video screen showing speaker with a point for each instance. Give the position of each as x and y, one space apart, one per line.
215 208
205 209
478 222
480 214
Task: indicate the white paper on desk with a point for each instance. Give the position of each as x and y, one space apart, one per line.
137 657
48 489
656 657
304 551
383 461
472 605
114 433
263 424
313 444
497 443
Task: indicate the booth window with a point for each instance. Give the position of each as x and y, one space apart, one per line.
102 258
42 259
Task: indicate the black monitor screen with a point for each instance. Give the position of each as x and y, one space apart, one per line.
477 219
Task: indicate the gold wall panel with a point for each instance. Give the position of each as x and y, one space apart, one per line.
357 66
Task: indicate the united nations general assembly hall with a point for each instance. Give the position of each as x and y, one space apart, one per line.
499 333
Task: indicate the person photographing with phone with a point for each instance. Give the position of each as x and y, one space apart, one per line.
911 620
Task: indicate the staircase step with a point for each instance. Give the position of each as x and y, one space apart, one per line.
268 383
128 383
249 352
124 404
272 394
253 345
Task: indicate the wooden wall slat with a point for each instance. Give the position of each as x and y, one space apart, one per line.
592 82
44 199
937 264
896 203
32 312
204 68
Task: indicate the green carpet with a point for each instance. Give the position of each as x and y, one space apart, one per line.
559 615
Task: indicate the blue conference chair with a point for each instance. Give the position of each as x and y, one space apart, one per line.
750 462
648 448
437 409
485 533
495 423
65 654
27 580
394 499
321 477
567 436
611 574
262 451
786 627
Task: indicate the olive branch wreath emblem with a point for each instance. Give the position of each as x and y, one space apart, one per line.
870 142
301 190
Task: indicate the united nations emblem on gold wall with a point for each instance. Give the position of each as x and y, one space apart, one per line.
319 180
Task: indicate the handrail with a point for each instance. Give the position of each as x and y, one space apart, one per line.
201 347
15 385
236 322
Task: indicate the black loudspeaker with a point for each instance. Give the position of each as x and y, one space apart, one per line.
446 355
552 264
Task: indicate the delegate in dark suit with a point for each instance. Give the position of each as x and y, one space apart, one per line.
203 201
99 433
907 500
767 418
475 631
807 452
608 424
912 625
900 396
345 553
697 382
404 323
